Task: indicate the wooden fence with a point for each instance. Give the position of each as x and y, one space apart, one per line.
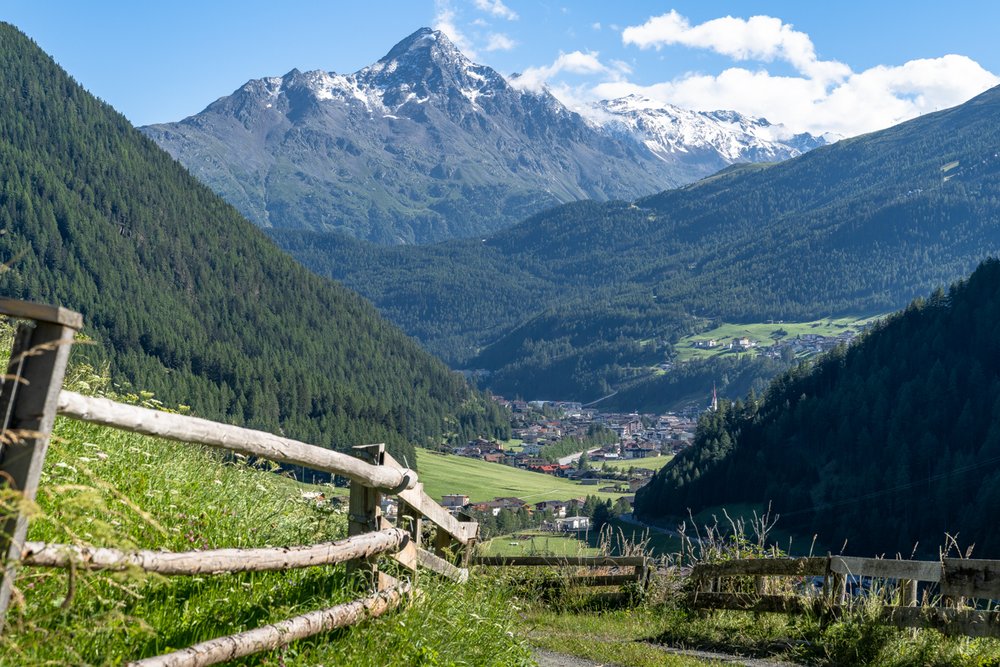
32 396
605 570
963 588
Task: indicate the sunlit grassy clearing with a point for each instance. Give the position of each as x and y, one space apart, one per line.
103 487
443 473
532 543
763 333
649 463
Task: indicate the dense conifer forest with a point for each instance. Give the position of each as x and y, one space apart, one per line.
887 444
184 297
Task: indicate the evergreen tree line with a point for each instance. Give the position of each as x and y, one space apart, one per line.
888 444
597 436
508 522
184 297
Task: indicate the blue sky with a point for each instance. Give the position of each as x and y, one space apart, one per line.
845 67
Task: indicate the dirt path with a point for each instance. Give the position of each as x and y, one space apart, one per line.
552 659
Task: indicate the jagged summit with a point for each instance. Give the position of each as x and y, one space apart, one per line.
426 64
423 46
424 67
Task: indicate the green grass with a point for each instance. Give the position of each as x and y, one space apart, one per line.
108 488
618 636
532 543
635 636
764 333
443 473
650 463
514 444
657 543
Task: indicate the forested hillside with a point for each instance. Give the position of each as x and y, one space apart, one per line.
888 444
186 298
860 227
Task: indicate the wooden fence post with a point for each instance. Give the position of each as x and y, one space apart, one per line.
442 544
470 546
908 592
644 573
28 410
411 520
365 512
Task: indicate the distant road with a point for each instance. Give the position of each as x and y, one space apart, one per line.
573 458
587 405
630 518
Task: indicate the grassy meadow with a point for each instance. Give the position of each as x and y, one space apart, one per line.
649 463
538 543
102 487
444 473
765 333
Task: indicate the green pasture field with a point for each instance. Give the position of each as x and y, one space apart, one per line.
444 473
538 543
765 333
651 463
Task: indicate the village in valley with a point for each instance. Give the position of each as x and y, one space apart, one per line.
604 453
610 455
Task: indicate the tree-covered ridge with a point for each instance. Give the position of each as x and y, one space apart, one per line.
186 298
887 444
860 227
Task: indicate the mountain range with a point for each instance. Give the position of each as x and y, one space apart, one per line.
584 298
426 145
187 299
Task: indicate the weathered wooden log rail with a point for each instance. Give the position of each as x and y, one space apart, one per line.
958 580
32 396
641 567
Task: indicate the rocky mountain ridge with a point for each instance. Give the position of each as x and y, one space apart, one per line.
423 145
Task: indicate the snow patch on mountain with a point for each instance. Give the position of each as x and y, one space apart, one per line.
667 130
425 145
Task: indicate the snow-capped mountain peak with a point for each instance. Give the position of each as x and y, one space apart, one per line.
422 47
427 64
668 130
426 144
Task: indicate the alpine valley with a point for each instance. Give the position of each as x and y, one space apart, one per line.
583 299
525 302
425 145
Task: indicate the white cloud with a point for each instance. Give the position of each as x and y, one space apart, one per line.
496 8
621 66
444 20
596 25
499 42
762 38
863 102
819 96
575 62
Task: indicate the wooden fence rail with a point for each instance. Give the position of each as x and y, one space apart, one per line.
216 561
31 397
249 442
640 565
276 635
959 580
